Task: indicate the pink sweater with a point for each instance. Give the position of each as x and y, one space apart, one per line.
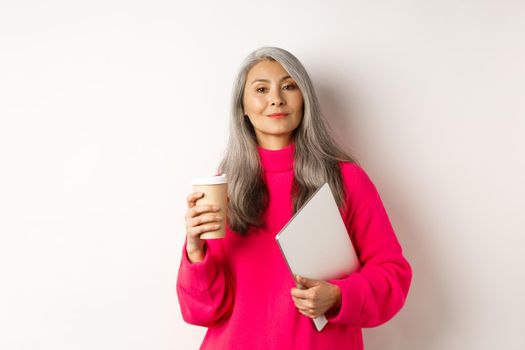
241 291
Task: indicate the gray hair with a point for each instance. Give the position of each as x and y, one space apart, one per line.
316 158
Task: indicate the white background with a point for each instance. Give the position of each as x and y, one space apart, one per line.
109 108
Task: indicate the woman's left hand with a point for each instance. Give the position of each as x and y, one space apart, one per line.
317 298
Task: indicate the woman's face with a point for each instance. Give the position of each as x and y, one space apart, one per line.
273 103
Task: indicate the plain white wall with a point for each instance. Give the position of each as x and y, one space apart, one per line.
109 108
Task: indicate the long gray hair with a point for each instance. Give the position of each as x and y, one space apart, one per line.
316 158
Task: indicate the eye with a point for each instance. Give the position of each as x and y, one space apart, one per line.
289 86
260 89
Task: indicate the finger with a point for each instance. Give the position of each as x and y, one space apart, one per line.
301 304
200 209
306 282
300 293
304 303
199 230
204 218
306 293
307 313
192 198
298 302
305 307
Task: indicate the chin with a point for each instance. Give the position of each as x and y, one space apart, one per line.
279 132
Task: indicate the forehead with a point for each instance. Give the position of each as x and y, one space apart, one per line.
266 70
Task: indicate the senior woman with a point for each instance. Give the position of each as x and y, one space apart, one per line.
279 153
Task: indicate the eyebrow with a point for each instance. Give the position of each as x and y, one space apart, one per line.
267 81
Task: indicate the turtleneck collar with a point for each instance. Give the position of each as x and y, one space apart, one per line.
277 160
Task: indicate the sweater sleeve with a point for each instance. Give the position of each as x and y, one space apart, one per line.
205 289
375 293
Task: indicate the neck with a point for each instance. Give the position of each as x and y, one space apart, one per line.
272 142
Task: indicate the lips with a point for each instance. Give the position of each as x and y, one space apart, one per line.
278 115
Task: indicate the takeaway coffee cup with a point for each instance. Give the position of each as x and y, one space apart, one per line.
215 189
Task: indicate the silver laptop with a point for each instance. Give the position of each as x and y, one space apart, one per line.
316 244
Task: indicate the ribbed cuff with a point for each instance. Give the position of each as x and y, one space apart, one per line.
199 275
352 300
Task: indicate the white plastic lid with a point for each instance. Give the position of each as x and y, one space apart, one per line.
211 180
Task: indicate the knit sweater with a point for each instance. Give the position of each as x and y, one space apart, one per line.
241 291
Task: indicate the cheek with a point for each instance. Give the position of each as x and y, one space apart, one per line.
298 101
299 107
254 104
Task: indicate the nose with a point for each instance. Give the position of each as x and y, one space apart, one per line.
277 99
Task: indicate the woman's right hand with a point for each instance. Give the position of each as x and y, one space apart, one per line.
198 221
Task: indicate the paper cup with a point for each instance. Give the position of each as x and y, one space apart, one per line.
215 189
